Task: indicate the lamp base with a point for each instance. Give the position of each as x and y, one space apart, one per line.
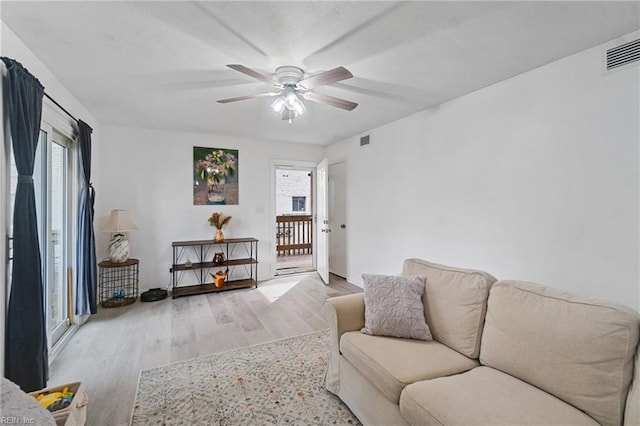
119 249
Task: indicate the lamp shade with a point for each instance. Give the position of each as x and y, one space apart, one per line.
120 221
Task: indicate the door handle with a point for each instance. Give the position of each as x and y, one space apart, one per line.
343 226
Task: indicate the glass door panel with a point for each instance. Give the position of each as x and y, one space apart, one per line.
57 250
50 185
13 182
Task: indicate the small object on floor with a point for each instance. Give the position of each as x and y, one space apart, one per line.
70 409
153 295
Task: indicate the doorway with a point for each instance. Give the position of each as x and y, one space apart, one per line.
294 219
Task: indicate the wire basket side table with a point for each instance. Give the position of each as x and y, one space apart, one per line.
118 283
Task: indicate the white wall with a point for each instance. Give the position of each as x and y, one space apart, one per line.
149 172
534 178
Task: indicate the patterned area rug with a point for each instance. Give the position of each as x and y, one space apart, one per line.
280 382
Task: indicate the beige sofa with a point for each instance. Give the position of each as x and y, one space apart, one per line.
505 352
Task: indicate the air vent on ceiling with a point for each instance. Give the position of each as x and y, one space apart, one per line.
621 56
364 140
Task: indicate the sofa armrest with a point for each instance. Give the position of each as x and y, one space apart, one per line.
344 313
632 410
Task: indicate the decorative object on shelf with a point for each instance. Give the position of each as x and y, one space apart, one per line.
218 257
215 176
219 220
188 263
218 278
118 223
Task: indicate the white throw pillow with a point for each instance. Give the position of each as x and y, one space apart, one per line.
393 307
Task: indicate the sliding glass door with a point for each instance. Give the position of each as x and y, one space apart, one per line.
51 179
55 181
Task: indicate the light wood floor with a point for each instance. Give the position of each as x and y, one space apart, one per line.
110 349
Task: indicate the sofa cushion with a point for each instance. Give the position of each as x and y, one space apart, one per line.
455 302
577 349
393 307
390 363
484 396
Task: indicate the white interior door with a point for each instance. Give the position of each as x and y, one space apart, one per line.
322 221
337 216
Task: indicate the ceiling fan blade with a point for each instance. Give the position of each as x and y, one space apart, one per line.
242 98
252 73
327 77
330 100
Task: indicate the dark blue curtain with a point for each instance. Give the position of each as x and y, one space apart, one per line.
26 357
86 282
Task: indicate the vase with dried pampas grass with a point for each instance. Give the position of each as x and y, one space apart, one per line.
219 220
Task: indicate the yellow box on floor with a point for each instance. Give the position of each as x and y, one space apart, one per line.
76 413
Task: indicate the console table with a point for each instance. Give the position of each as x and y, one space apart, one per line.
193 265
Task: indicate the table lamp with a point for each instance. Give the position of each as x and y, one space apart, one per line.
119 222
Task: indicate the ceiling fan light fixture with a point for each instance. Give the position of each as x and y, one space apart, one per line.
279 104
290 103
293 102
298 106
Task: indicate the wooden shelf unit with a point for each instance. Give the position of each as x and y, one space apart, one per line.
203 250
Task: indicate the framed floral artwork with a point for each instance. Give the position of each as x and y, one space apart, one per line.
215 176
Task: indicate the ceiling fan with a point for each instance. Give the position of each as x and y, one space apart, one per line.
291 85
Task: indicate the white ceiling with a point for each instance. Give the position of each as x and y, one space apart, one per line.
162 64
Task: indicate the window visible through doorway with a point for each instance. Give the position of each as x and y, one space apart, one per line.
299 204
